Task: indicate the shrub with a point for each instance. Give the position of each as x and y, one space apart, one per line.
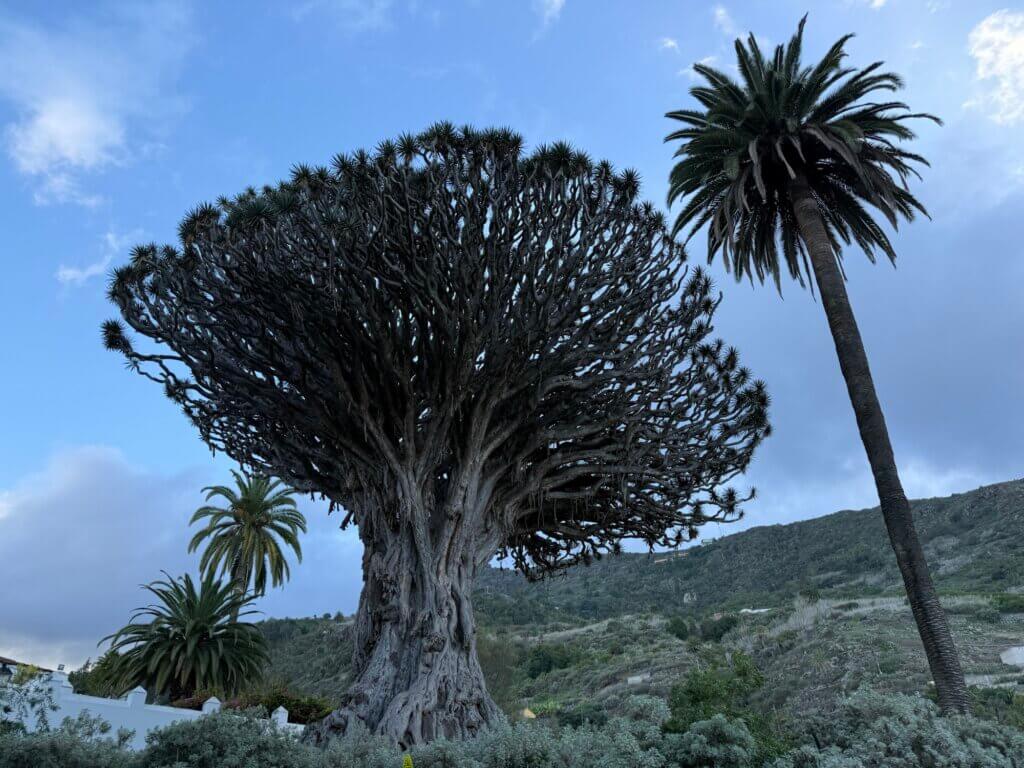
1004 705
547 658
714 630
903 732
679 627
77 743
715 743
301 708
726 689
720 688
1009 603
222 740
25 701
98 678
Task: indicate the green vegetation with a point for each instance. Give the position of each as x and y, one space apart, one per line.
245 538
725 687
97 678
1009 603
867 729
899 732
969 538
795 157
191 639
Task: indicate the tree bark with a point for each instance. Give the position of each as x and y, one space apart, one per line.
932 625
416 676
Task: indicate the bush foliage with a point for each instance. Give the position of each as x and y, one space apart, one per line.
869 730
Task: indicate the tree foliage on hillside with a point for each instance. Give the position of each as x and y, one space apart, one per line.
469 349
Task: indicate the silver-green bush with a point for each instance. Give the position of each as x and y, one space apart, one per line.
870 729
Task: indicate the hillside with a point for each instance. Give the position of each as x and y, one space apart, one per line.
972 541
829 614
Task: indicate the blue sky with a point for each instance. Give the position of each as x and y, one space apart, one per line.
117 118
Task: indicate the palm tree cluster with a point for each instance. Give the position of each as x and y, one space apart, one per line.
190 639
783 168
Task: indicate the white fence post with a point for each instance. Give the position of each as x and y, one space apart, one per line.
211 705
131 711
136 697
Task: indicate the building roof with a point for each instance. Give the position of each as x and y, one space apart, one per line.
15 663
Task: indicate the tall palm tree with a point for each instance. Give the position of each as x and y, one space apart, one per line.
189 640
246 536
792 159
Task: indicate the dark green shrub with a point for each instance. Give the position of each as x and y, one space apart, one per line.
810 594
301 708
1003 705
586 712
679 627
545 658
713 630
725 688
1009 603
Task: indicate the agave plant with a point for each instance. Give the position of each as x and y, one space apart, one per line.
785 167
190 639
247 537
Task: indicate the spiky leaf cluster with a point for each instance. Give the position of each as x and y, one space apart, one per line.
246 538
743 149
448 323
189 640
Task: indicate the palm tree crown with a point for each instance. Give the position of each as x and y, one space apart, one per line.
246 536
786 122
189 640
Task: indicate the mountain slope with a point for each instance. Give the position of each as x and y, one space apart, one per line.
831 614
973 543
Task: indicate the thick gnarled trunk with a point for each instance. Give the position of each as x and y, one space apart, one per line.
416 676
932 625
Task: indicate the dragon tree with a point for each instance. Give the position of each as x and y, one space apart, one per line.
471 352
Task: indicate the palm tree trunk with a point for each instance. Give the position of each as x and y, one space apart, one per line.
240 578
924 602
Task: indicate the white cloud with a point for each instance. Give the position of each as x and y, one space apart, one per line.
82 90
997 45
113 245
723 21
691 73
668 44
549 10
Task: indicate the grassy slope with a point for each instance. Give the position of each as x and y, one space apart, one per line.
610 618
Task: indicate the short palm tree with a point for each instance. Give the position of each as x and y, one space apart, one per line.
784 167
246 536
189 640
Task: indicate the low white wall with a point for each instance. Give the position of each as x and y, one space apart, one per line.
132 711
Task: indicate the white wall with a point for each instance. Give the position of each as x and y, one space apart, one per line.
132 711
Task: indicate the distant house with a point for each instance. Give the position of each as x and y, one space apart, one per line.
9 666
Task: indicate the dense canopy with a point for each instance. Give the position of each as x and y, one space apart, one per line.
470 350
443 299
